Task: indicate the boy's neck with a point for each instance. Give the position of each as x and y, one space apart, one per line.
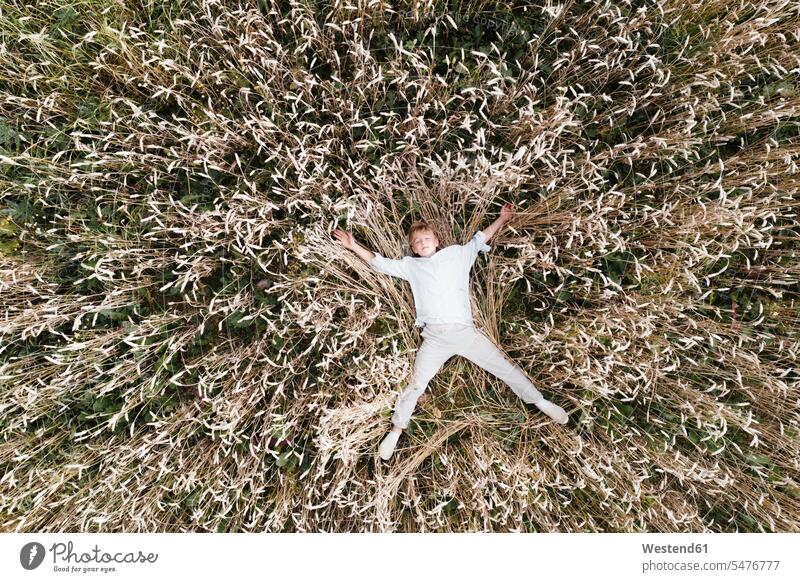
416 256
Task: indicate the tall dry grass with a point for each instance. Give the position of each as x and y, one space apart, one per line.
157 160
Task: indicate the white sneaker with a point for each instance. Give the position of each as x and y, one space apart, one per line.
386 448
554 411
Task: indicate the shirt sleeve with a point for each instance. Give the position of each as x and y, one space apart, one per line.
393 267
476 244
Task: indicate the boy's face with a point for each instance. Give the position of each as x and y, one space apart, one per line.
424 243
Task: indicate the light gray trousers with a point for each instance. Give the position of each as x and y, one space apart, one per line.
445 340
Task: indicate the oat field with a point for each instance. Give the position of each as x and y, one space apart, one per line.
185 348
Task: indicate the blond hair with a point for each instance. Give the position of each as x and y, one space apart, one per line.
418 226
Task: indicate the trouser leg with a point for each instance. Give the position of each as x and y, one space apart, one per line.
482 351
431 356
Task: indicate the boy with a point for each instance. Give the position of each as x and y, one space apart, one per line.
440 284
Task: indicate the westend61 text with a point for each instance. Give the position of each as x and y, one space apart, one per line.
668 549
66 554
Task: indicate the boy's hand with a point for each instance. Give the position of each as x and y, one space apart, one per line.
507 212
344 238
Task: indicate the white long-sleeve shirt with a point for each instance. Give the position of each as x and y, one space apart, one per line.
439 283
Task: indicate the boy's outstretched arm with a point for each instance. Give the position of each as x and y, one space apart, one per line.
348 241
376 261
506 214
